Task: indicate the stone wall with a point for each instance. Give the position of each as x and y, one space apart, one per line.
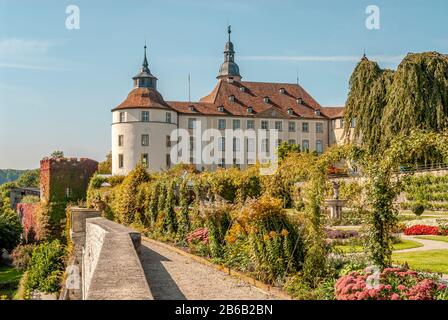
106 254
111 267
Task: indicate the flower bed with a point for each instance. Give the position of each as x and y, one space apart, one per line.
340 234
390 284
424 230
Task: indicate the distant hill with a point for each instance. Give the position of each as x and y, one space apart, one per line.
7 175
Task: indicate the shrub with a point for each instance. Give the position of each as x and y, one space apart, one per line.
277 246
45 268
21 256
418 209
390 284
198 242
10 229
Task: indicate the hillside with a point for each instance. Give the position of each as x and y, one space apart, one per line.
7 175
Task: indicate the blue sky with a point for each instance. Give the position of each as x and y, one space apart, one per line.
57 86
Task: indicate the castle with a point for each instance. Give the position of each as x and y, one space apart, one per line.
143 124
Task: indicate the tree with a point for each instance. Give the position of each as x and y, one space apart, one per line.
29 179
285 148
10 229
105 167
57 154
384 103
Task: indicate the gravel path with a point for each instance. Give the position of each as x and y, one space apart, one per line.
427 244
172 276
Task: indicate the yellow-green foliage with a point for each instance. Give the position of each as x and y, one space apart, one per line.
277 246
125 203
384 103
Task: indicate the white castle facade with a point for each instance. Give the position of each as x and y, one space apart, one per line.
145 127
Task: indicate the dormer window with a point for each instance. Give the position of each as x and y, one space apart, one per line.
221 109
191 108
230 79
250 110
290 111
299 100
317 112
282 90
266 99
242 89
232 98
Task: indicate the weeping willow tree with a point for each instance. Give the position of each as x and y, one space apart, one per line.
384 103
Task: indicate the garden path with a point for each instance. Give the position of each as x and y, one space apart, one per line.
427 244
171 275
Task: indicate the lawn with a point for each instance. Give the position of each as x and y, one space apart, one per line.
435 238
9 280
431 261
404 244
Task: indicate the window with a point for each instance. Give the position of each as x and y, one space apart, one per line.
236 124
168 117
305 145
221 124
120 140
231 98
291 126
120 161
145 160
353 124
236 144
222 144
145 140
250 110
122 116
251 145
278 125
168 161
305 127
291 142
168 141
191 123
319 127
264 125
68 192
250 124
319 146
145 116
341 123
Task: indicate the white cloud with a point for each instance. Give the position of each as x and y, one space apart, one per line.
16 46
342 58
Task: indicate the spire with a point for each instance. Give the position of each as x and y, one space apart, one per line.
229 69
145 63
144 79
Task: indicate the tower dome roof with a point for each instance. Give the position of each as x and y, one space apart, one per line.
229 69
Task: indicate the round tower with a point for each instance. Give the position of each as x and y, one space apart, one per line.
141 126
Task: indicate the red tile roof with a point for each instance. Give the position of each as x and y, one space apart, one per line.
282 97
333 112
143 98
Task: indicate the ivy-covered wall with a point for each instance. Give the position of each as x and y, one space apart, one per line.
64 180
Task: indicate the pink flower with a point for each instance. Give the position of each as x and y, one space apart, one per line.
394 296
